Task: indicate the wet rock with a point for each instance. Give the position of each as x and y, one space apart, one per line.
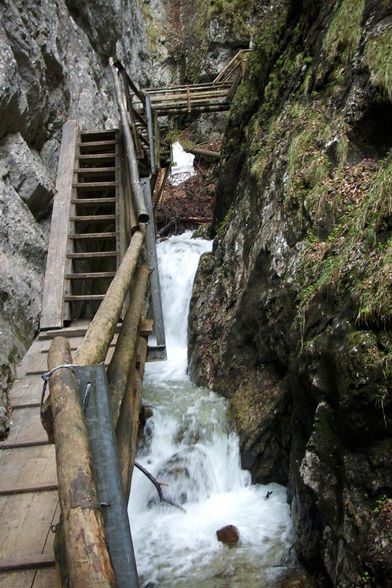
228 535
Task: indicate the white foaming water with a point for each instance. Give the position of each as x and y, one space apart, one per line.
191 446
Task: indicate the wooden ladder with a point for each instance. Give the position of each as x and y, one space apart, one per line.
84 245
93 248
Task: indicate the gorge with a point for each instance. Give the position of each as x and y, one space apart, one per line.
290 317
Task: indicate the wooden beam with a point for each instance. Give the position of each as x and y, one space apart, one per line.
52 300
88 558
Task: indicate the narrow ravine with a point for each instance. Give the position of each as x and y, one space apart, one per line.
191 446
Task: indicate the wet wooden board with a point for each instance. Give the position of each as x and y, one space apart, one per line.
25 522
32 466
25 391
25 429
45 578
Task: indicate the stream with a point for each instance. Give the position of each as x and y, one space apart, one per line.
191 445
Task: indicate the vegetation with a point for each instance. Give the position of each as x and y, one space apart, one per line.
344 33
379 60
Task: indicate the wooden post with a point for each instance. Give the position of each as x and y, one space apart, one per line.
120 365
150 129
100 332
130 151
128 422
89 563
152 259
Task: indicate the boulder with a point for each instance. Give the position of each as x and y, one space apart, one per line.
228 535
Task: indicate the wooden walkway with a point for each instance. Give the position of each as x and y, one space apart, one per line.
29 507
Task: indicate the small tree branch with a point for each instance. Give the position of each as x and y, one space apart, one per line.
158 487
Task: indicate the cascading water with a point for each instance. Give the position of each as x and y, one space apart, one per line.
190 445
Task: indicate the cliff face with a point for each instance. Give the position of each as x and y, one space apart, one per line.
291 312
53 66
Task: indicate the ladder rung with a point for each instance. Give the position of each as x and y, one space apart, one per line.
91 254
90 275
81 297
95 185
97 143
96 170
110 200
93 218
110 235
96 157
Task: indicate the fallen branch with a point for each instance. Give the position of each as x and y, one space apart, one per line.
158 487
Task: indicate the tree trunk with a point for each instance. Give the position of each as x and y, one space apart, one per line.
89 563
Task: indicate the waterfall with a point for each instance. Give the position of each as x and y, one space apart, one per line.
190 445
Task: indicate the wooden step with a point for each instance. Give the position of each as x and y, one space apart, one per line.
92 218
84 201
100 158
95 170
110 235
94 185
91 254
97 145
97 134
90 275
83 298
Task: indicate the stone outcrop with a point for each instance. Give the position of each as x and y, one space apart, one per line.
291 312
53 66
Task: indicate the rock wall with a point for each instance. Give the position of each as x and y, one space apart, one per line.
291 312
53 66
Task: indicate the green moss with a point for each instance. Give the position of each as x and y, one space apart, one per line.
379 60
344 32
234 13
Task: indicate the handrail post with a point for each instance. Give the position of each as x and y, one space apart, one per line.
130 150
152 260
150 134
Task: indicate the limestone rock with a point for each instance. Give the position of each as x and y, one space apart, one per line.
228 535
28 174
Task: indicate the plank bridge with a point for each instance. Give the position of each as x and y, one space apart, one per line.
101 263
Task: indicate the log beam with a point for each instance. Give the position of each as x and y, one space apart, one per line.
88 558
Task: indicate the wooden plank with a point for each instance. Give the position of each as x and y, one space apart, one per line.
95 170
84 297
25 428
94 185
23 579
45 578
96 157
92 218
108 235
90 275
27 466
99 200
25 522
52 300
25 390
92 254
